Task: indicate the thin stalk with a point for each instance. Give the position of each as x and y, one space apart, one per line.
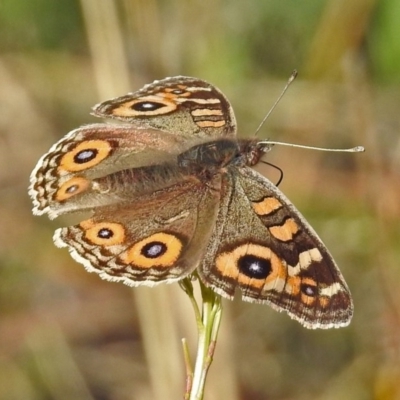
189 369
208 322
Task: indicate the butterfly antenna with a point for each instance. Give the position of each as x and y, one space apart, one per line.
288 83
268 144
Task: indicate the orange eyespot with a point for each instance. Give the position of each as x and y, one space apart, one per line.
309 291
103 233
160 249
251 264
85 155
148 105
71 188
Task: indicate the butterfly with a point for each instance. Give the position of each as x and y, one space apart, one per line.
172 191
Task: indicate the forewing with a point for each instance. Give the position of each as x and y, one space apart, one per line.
90 152
180 105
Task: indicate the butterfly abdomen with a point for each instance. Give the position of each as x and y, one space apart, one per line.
138 181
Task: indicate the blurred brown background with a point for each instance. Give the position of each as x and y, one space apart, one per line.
65 334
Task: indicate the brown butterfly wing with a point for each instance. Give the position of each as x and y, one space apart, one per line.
157 238
264 247
66 173
166 117
185 106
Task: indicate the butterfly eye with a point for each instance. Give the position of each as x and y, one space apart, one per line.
147 106
254 267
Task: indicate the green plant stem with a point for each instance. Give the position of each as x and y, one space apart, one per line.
208 322
189 370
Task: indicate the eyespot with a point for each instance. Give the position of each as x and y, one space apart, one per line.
103 233
71 188
254 267
151 105
158 250
154 249
147 106
179 91
309 290
85 155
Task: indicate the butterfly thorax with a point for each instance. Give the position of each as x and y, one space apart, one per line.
212 156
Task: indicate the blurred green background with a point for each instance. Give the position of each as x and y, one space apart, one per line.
66 334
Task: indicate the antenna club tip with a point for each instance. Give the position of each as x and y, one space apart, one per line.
293 76
359 149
